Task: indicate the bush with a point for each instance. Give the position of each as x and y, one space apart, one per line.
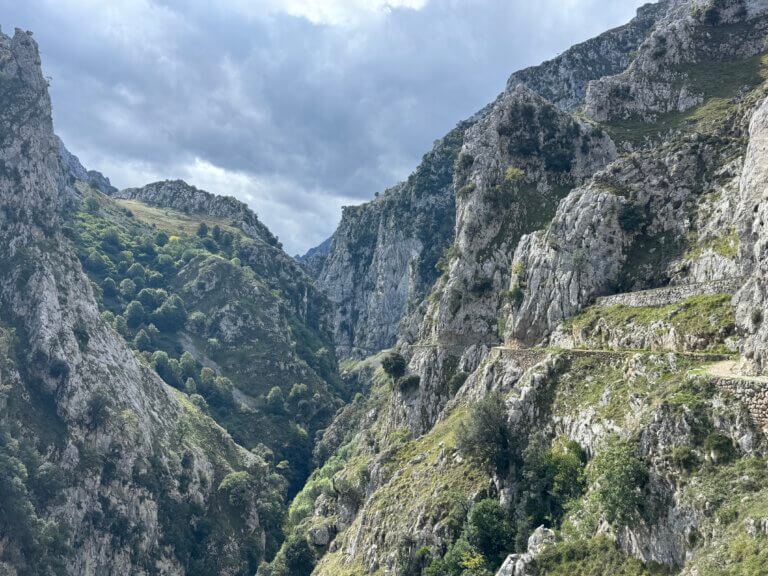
197 322
408 383
134 314
489 530
486 437
164 368
95 262
719 448
202 230
618 477
142 342
394 365
128 288
161 238
631 218
172 315
457 381
109 287
91 204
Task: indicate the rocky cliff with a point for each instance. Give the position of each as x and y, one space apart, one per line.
105 469
381 261
631 163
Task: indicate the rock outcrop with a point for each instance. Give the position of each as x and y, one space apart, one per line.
105 464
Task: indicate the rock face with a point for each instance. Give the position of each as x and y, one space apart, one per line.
516 163
381 262
751 299
179 195
663 78
564 80
75 171
102 459
382 258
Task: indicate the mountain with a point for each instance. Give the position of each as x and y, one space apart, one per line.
580 390
104 468
552 339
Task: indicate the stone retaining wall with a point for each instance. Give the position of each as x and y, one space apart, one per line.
670 294
753 394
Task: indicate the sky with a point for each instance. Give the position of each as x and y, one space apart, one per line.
296 107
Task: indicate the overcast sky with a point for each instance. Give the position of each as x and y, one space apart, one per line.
296 107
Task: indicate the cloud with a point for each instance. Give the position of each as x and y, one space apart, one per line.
296 106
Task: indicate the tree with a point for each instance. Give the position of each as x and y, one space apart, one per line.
137 272
121 326
128 288
489 530
171 315
162 365
202 230
134 314
161 238
486 437
188 365
276 400
299 558
95 262
142 341
216 232
618 478
394 365
147 298
110 240
197 322
109 287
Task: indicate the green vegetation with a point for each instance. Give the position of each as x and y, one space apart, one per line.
617 478
394 365
486 437
709 319
719 82
598 556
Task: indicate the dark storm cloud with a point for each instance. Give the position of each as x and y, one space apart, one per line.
295 106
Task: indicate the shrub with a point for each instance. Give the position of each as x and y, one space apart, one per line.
457 381
99 409
408 383
95 262
486 436
238 489
631 218
109 287
91 204
128 288
202 230
394 365
142 342
136 272
489 530
719 448
172 315
162 365
618 477
134 314
161 238
514 175
197 322
276 401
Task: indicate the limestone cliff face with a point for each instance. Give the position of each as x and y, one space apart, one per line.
661 185
515 165
661 80
381 263
102 458
382 258
751 299
564 80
